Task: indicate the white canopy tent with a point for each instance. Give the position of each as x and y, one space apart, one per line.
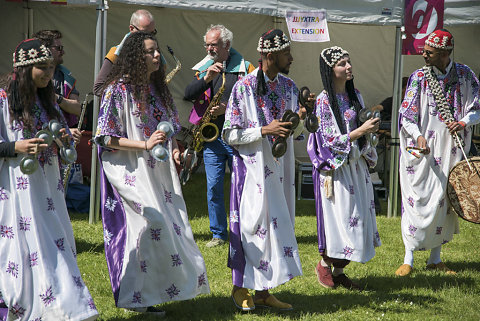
368 29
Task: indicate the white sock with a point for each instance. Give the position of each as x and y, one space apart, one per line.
337 271
323 263
435 255
408 257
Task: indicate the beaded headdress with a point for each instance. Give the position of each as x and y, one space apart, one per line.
441 39
29 52
273 40
332 55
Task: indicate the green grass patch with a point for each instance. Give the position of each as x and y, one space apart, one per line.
425 295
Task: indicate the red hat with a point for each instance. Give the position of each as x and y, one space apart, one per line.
441 39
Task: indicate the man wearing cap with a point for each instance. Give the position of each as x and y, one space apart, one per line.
263 249
141 20
66 93
441 102
207 82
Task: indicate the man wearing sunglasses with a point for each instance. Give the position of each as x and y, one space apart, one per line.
437 115
141 20
66 93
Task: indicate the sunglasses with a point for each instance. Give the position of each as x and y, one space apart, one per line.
154 32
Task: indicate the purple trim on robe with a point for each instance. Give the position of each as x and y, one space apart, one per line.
318 156
322 243
115 223
3 314
237 264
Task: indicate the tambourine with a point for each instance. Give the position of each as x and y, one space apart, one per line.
279 147
160 151
311 121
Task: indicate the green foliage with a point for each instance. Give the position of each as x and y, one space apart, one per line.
425 295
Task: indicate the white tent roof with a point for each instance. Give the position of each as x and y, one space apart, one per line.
374 12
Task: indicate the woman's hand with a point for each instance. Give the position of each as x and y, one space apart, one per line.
30 146
369 126
177 156
158 137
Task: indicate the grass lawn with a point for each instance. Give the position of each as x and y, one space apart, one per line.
425 295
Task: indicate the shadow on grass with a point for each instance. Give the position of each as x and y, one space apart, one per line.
83 246
326 302
429 280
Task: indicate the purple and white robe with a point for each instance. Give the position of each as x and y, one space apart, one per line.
427 218
263 249
39 275
346 221
151 255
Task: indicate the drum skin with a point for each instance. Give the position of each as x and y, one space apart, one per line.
463 189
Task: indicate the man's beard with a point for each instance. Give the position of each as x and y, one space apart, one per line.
285 70
213 56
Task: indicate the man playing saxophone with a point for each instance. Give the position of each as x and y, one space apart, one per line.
218 42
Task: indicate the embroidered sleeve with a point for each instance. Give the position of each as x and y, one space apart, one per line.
235 112
411 102
111 116
331 136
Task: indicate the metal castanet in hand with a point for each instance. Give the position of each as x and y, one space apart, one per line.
311 121
364 115
160 151
279 147
70 154
205 131
178 66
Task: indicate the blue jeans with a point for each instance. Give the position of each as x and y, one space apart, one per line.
215 155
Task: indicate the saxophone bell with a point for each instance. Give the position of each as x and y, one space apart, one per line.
209 132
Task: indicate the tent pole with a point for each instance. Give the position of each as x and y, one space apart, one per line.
395 142
100 43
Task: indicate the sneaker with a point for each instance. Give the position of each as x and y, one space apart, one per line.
343 280
150 310
324 276
215 242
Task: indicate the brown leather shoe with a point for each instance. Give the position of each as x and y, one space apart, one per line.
272 302
404 270
324 276
441 267
243 300
343 280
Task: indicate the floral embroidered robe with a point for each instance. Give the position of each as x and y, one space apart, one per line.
427 218
346 221
263 249
39 276
151 254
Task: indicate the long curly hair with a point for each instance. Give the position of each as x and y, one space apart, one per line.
21 95
326 73
131 67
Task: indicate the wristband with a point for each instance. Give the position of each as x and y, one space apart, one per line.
462 123
59 99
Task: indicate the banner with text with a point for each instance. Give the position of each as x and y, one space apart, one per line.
422 17
307 26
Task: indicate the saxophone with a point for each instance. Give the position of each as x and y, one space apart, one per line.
178 66
66 174
206 131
